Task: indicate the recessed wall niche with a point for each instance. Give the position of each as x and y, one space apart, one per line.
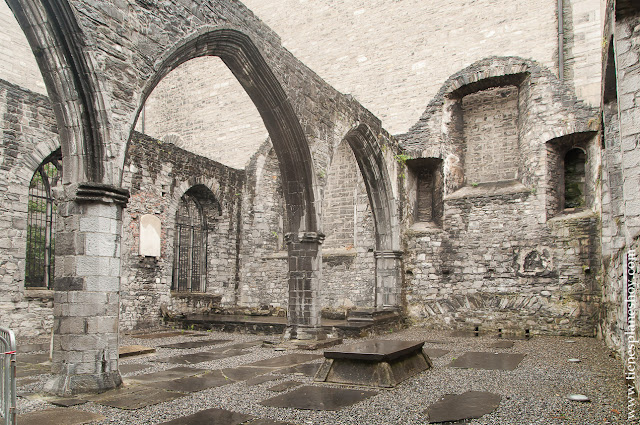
426 182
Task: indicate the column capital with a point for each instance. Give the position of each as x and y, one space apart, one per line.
388 254
99 192
304 237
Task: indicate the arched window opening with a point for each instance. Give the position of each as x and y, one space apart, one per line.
189 268
41 221
574 178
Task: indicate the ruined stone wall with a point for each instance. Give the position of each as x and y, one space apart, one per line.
490 119
157 175
28 135
201 107
348 269
17 63
500 259
264 261
620 178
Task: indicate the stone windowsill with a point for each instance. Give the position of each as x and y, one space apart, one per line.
38 294
423 227
278 255
573 214
339 252
196 295
489 189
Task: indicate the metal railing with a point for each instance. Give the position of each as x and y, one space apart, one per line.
7 377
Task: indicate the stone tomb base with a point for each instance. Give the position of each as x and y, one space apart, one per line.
375 363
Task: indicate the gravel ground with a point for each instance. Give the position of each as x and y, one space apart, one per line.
534 393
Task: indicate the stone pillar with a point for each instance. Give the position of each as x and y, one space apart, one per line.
87 285
388 278
305 270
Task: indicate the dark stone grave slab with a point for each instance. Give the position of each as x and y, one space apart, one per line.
243 345
67 402
243 373
267 422
134 350
502 344
195 344
133 367
57 416
284 386
192 384
491 361
434 353
32 358
211 416
205 356
375 350
135 397
307 369
162 335
318 398
286 360
165 375
261 379
375 363
470 405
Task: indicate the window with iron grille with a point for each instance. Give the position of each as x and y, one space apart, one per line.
41 221
190 246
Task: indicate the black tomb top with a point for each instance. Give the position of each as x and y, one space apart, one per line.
376 350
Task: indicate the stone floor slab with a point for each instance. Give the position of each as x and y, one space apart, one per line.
307 369
193 384
205 356
155 335
491 361
243 373
131 368
135 397
67 402
286 360
134 350
469 405
268 422
165 375
284 386
261 379
318 398
195 344
58 416
502 344
434 353
211 416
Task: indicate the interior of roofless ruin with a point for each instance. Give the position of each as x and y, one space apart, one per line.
313 172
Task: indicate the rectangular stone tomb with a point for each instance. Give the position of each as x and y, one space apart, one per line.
376 363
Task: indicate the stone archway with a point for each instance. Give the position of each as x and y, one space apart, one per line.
388 255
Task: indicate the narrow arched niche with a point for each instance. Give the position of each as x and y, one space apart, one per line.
574 178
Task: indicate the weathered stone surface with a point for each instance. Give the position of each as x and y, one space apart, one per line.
209 416
499 361
58 416
469 405
318 398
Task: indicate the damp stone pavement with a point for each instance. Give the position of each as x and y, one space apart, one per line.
231 379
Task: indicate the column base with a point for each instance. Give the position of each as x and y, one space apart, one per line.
67 385
305 333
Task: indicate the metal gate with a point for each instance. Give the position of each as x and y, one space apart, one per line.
8 376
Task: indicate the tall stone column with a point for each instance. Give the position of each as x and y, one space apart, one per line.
388 278
305 275
87 285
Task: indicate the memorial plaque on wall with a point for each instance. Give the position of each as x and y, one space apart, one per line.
150 228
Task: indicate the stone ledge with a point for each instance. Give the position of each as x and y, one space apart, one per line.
484 190
573 214
38 294
280 255
203 296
